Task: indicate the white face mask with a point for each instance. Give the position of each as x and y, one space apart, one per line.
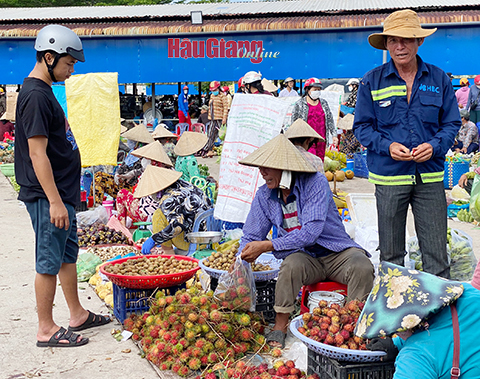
185 92
145 162
350 88
477 85
314 95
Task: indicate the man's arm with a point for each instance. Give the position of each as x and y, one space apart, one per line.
43 170
364 126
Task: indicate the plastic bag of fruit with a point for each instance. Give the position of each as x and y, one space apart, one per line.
86 266
236 289
87 218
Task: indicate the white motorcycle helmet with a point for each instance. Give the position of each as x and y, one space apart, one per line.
251 76
61 40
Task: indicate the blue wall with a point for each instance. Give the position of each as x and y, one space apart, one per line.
338 53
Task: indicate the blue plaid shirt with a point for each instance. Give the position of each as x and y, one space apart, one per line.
317 214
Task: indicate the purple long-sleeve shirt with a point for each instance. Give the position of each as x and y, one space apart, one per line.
318 216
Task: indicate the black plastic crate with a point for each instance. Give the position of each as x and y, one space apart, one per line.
265 297
127 301
328 368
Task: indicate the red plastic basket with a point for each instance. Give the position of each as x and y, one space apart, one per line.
151 281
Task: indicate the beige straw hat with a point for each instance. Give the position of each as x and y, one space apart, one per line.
346 122
162 132
278 153
155 152
300 129
123 129
139 133
155 179
404 23
189 143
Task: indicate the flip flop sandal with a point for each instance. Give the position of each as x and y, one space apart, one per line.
277 336
63 335
92 321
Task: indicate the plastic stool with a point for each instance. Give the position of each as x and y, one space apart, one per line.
142 231
320 286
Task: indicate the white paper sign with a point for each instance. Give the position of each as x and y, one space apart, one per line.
253 120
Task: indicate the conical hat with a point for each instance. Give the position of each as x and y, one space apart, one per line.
189 143
139 133
278 153
155 179
269 86
346 122
123 129
300 129
153 151
161 132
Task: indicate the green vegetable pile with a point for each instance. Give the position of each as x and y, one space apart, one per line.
15 185
204 170
465 216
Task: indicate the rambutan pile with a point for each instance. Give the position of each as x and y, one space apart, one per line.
334 325
190 331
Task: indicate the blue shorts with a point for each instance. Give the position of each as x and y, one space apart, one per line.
53 246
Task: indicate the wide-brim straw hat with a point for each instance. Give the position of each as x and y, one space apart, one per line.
269 86
404 24
189 143
155 179
279 153
300 129
346 122
155 152
139 133
161 132
123 129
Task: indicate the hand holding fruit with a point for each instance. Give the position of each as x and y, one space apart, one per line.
252 250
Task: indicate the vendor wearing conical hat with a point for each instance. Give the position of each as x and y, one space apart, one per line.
348 142
312 241
188 144
167 139
303 136
178 204
421 309
129 206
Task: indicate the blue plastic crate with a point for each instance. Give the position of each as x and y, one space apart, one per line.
453 209
453 172
360 168
127 301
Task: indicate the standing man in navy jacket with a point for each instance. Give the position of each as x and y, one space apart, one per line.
407 117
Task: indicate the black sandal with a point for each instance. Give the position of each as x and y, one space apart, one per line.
63 335
92 321
277 336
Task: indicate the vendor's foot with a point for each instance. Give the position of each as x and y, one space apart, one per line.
276 338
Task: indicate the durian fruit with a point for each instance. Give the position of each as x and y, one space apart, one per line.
103 294
94 280
340 175
329 176
109 300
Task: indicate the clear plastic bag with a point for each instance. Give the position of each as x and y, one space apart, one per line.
236 289
87 218
86 266
460 254
462 258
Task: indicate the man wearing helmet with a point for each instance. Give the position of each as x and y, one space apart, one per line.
473 102
253 83
315 112
289 83
217 114
47 167
183 115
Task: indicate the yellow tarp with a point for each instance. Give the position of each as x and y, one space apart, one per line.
94 115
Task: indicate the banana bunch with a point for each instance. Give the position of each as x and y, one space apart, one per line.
464 215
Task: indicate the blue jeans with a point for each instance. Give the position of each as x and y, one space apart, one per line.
429 207
53 246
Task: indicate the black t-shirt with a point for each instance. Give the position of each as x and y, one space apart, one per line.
39 114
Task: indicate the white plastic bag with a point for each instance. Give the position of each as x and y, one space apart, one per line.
87 218
459 193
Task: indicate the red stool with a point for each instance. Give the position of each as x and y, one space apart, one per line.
321 286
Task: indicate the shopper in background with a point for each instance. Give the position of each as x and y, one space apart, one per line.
183 115
47 167
407 118
217 114
253 83
203 118
352 85
289 89
226 92
462 93
315 112
467 138
473 102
